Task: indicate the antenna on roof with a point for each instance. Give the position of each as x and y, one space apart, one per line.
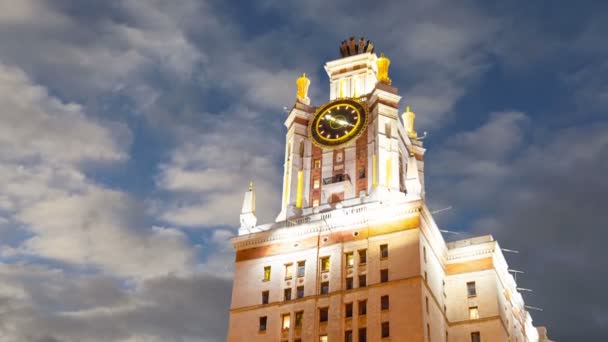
449 232
424 134
532 308
523 289
515 273
441 210
510 251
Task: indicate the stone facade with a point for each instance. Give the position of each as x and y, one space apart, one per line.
371 265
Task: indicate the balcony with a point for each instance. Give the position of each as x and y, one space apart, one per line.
336 179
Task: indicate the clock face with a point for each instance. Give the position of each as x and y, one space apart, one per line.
337 122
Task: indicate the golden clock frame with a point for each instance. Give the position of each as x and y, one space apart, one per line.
360 101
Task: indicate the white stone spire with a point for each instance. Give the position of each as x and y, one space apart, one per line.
248 218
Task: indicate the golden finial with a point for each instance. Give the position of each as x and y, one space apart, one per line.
250 185
302 82
383 64
408 121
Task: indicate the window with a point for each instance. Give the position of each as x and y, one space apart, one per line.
361 172
265 295
325 287
317 163
350 259
426 301
315 183
428 332
266 273
263 323
285 321
362 280
288 270
300 291
348 336
383 251
473 312
424 253
362 335
475 336
348 310
362 256
384 275
301 268
362 307
323 314
386 331
299 316
325 264
315 203
471 289
287 294
349 283
384 303
323 338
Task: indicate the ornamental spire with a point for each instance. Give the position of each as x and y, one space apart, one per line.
383 64
302 94
408 122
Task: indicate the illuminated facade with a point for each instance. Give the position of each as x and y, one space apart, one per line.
355 254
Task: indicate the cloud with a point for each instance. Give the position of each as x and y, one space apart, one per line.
45 304
546 201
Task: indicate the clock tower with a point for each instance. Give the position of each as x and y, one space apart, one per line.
352 149
354 253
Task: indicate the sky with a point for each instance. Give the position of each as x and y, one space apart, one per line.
129 131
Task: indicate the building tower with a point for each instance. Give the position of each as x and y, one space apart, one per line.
355 254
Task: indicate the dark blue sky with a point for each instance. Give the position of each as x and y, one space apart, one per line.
130 130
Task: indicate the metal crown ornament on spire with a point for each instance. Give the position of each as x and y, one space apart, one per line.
383 64
408 121
302 82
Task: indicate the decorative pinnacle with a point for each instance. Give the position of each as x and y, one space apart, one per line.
250 185
383 64
302 83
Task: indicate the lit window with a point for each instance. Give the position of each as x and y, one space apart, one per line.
265 297
315 183
288 271
384 303
383 251
383 276
263 323
349 283
301 268
286 320
300 292
348 336
299 316
362 256
471 290
386 331
325 264
315 203
362 280
350 259
475 336
317 163
362 335
362 307
323 338
473 312
287 294
323 314
361 172
266 273
325 287
348 310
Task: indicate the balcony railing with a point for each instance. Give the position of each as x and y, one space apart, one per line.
336 179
